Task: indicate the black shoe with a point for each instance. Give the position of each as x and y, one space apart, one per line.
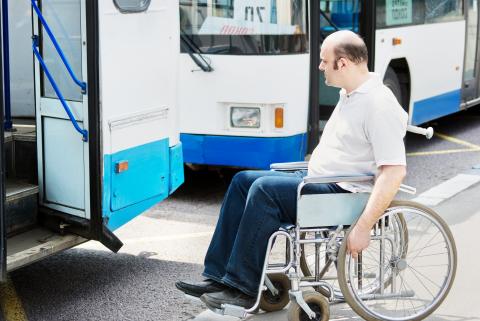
197 289
228 296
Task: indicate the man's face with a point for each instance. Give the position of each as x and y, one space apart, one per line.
327 65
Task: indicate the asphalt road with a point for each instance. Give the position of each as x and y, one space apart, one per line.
168 242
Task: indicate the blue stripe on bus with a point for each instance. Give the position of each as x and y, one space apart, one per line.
435 107
154 172
250 152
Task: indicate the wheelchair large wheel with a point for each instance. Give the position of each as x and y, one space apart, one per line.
420 278
396 231
316 302
270 302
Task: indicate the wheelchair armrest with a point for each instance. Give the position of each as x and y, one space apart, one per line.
291 166
323 179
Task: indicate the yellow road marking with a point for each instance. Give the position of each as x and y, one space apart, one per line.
10 303
471 147
457 141
443 152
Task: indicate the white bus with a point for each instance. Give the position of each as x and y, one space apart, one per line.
252 94
90 138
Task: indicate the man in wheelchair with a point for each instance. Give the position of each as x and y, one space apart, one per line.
364 135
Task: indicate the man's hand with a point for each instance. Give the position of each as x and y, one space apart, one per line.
358 240
386 186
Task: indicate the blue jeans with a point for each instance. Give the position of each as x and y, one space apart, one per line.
256 205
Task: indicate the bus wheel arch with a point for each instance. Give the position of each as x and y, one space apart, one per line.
397 78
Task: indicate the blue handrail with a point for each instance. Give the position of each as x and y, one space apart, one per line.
57 90
81 84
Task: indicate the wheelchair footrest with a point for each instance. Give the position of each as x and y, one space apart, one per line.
234 311
193 299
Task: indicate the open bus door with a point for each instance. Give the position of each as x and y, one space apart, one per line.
66 49
104 122
3 243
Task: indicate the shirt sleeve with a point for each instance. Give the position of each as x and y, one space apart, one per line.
386 127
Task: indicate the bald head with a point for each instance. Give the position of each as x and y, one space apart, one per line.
344 36
347 44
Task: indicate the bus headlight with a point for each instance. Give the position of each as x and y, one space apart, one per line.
245 117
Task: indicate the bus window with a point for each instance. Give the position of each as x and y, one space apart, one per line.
406 12
65 23
471 41
341 15
245 27
411 12
442 11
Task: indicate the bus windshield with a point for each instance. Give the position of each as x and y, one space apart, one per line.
245 27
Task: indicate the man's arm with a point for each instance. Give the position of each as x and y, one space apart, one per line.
386 186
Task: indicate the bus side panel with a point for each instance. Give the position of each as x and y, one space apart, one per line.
435 69
141 145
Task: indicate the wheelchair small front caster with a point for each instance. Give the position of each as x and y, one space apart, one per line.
317 302
270 302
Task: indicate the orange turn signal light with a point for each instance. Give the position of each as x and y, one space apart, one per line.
121 166
278 117
396 41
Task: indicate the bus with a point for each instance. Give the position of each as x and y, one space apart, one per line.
90 137
250 92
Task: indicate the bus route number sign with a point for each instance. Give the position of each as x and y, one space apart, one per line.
398 12
252 10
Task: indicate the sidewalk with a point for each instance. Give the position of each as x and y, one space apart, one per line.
462 213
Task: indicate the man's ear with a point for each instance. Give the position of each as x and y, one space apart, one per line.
342 62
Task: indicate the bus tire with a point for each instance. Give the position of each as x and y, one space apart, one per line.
393 83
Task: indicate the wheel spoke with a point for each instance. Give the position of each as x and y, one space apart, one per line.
427 239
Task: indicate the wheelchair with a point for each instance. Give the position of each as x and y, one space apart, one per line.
404 274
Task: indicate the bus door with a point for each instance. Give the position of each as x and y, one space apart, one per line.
3 243
470 90
59 44
327 17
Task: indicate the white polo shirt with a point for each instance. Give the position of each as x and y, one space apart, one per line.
365 131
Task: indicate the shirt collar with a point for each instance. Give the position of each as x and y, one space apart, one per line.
373 81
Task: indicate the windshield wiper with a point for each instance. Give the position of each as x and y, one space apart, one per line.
193 50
